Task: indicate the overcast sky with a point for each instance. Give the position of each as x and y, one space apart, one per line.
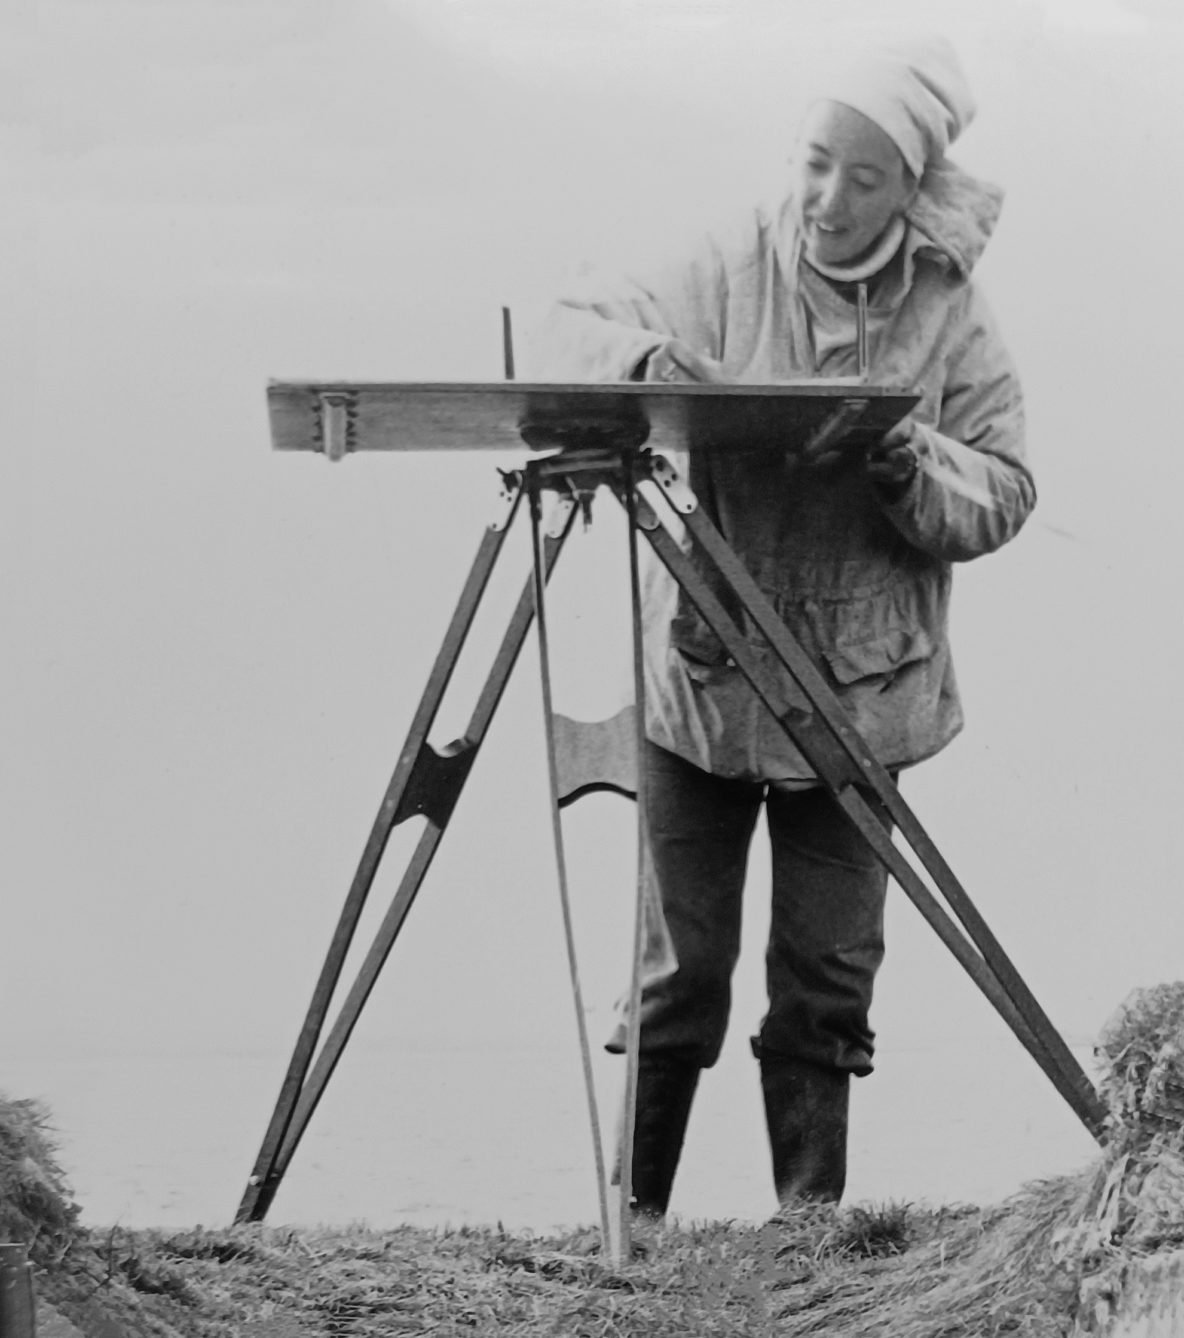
215 650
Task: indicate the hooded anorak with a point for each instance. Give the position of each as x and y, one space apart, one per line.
860 576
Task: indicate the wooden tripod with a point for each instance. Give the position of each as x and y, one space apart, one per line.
597 436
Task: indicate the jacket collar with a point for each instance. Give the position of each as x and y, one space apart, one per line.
951 221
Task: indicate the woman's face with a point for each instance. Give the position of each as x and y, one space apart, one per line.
850 183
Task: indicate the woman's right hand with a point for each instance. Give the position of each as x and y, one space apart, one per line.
673 361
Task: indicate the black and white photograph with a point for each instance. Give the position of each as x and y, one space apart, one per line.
593 712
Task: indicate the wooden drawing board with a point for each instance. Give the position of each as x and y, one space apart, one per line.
337 418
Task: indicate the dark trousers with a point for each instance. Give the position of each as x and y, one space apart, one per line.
826 938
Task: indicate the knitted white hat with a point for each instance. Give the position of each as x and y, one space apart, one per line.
916 92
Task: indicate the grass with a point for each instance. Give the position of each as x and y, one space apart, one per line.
866 1270
1049 1263
708 1279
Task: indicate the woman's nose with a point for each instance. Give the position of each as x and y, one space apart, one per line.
831 195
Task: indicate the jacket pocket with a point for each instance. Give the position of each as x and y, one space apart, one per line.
882 657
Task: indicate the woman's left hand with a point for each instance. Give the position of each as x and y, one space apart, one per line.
892 463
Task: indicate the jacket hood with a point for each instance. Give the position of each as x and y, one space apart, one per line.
955 214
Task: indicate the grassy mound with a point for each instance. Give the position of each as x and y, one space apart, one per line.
710 1279
1132 1204
1141 1049
891 1270
36 1207
1050 1262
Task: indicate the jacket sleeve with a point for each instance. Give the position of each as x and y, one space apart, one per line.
973 489
603 327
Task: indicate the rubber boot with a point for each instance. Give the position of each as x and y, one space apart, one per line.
666 1084
806 1113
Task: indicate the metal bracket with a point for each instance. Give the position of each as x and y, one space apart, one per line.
508 494
677 490
337 412
583 497
572 476
603 462
436 782
557 516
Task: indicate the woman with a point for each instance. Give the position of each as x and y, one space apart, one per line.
855 552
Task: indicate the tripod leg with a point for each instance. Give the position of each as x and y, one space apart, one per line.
840 758
633 1015
876 778
263 1182
561 859
465 753
1085 1104
423 782
620 1247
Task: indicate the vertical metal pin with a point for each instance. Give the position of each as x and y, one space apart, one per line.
861 330
508 343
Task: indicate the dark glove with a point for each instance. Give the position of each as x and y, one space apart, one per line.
892 463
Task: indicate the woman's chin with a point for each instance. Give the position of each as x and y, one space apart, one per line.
833 256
